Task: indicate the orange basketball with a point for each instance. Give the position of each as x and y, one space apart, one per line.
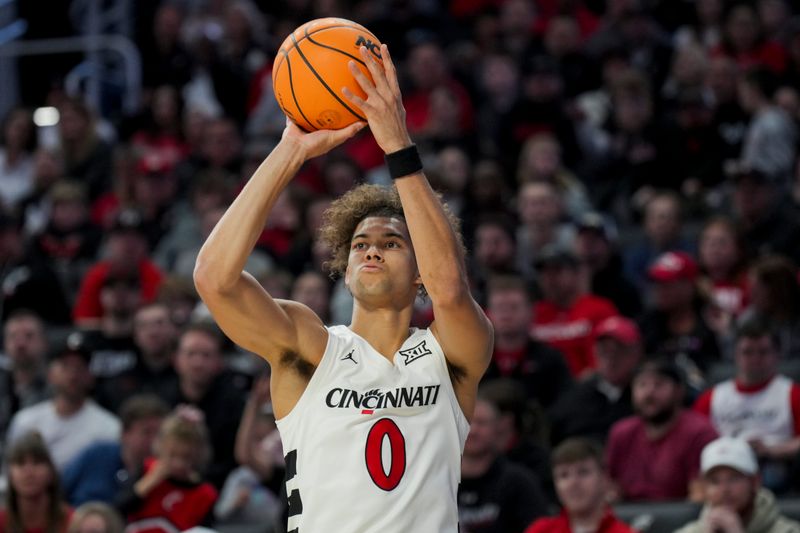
311 69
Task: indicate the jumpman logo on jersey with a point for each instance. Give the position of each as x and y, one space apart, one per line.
415 352
349 356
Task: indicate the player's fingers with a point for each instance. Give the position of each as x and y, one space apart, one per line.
363 82
391 70
352 129
376 69
339 136
356 100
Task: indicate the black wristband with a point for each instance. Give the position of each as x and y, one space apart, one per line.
403 162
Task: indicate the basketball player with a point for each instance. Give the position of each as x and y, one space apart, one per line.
373 416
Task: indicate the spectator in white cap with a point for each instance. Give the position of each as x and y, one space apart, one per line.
735 501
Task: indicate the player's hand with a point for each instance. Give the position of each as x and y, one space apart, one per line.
318 142
384 104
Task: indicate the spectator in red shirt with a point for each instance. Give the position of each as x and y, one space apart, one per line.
582 485
127 254
537 367
676 326
758 405
591 407
655 455
430 75
744 40
566 315
33 501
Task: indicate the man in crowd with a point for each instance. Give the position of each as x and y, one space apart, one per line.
98 473
593 405
566 315
204 383
155 338
655 455
596 247
70 421
734 500
111 343
537 367
127 255
582 486
22 380
758 405
495 496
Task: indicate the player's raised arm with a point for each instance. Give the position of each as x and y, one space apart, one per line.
243 309
460 325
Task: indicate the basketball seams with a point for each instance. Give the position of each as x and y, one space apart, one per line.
308 36
322 81
294 97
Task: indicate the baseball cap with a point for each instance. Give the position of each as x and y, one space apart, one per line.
731 452
672 266
553 254
619 328
74 344
596 222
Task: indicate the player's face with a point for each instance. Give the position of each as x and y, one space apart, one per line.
730 488
580 485
382 262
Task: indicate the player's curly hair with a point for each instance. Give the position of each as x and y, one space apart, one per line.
346 213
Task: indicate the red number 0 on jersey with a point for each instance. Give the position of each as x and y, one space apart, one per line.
374 456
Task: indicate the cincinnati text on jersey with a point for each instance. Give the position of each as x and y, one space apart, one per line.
377 399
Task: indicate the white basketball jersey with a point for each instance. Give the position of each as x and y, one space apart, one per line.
766 414
375 446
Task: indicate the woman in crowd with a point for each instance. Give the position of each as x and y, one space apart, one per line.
33 501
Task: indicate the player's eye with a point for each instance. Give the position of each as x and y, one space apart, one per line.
359 246
391 244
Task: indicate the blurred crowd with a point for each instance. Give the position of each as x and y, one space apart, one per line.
627 177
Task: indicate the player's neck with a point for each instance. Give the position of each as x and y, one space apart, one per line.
384 329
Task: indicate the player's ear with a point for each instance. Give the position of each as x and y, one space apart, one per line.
347 276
